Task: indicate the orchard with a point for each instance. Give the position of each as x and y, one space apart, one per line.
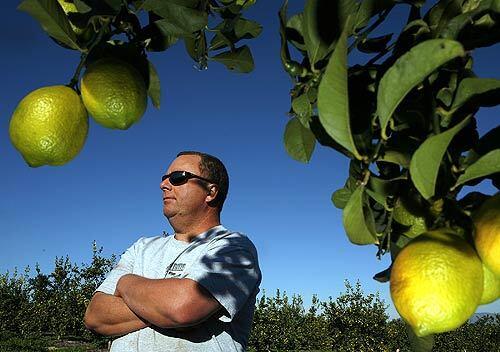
406 119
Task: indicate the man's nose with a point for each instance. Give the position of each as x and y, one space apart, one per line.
165 185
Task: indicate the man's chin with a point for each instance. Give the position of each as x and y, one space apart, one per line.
168 213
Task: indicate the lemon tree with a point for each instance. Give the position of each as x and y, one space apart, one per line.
405 115
114 76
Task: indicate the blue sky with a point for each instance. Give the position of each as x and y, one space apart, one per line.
110 191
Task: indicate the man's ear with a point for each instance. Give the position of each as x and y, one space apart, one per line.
212 192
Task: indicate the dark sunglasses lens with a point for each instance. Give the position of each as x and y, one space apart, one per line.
178 178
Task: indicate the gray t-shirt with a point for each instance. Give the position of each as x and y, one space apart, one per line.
223 262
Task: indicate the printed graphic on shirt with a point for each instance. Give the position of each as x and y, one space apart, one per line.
175 270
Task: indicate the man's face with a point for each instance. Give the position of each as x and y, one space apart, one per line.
187 199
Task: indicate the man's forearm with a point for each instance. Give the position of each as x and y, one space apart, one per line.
109 315
141 296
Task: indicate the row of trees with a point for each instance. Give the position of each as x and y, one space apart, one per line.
53 305
354 321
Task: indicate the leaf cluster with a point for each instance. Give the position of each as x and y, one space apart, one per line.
212 30
406 117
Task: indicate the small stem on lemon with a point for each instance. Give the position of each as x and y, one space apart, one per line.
73 83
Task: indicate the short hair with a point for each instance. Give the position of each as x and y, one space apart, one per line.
213 169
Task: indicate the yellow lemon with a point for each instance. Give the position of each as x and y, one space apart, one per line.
114 93
436 282
487 233
491 290
49 126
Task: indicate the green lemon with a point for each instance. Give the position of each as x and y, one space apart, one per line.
49 126
114 93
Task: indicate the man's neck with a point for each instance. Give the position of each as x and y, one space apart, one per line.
187 231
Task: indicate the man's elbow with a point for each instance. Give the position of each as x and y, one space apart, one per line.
185 316
92 322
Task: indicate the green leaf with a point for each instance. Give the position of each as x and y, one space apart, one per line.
441 13
424 166
239 60
333 99
454 26
299 141
53 20
396 157
380 199
368 9
219 41
81 6
302 108
341 197
154 90
382 188
244 28
383 276
179 18
316 47
354 220
114 4
169 28
294 31
374 45
419 344
469 88
408 71
486 165
323 21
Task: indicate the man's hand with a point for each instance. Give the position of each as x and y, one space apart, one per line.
109 315
166 303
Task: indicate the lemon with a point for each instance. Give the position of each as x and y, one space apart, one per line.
491 291
49 126
114 93
487 233
436 282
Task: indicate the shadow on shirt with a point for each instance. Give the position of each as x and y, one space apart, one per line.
230 273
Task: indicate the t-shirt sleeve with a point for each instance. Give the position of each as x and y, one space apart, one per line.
230 272
125 266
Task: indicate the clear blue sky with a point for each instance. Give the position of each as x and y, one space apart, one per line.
110 192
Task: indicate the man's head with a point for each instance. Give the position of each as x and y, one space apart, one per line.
195 183
213 169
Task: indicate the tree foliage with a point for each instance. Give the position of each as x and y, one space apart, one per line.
36 308
52 304
405 117
211 30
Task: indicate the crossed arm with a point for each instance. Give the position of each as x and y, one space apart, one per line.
139 302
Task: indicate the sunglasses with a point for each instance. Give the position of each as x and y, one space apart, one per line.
178 178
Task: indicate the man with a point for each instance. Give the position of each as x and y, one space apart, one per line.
191 291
